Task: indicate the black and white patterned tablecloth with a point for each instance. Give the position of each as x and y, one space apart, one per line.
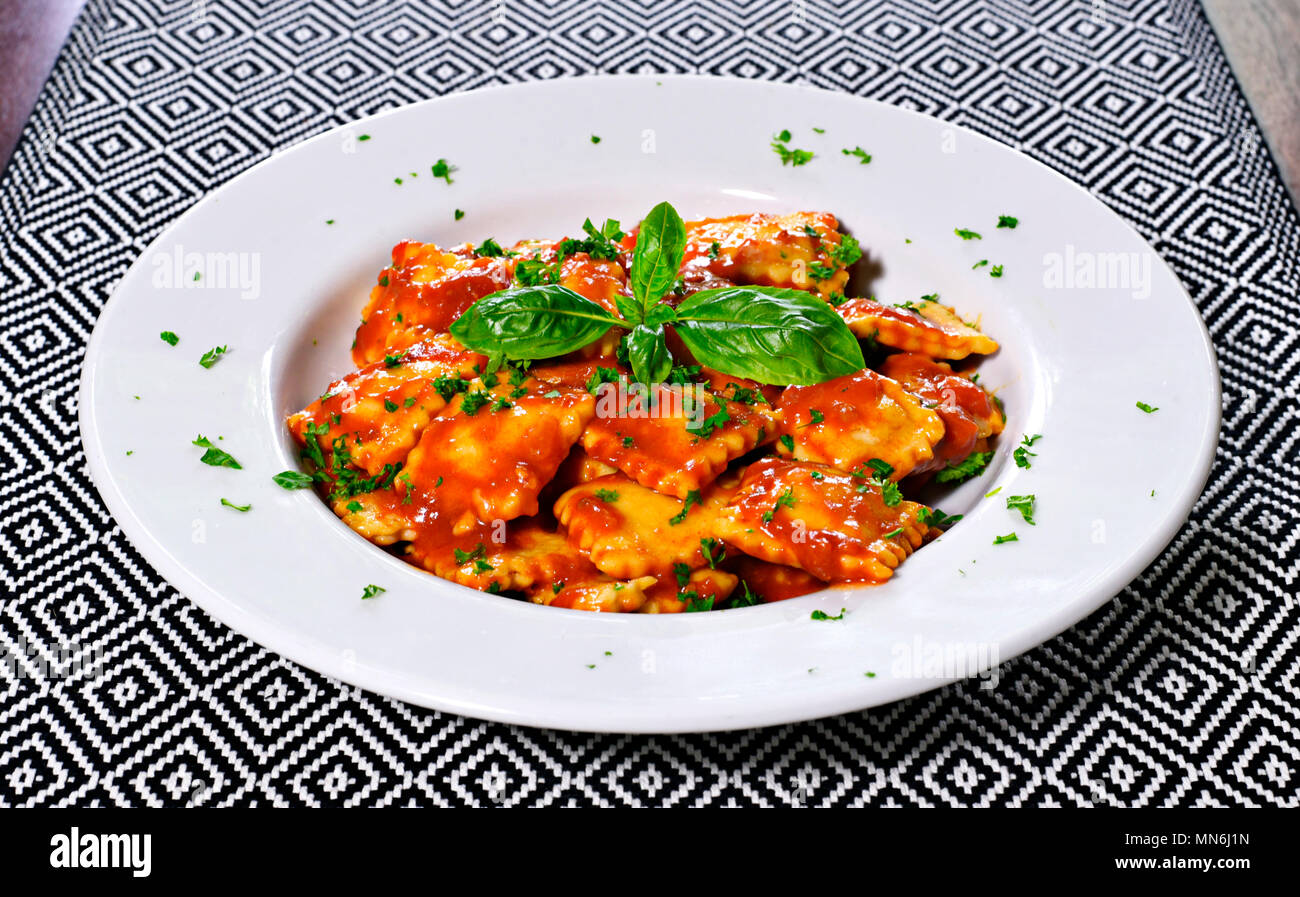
1185 690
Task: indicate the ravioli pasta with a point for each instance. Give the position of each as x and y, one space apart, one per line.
563 482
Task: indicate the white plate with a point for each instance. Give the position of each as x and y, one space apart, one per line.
1074 361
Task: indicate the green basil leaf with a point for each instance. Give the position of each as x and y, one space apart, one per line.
531 322
767 334
661 313
647 352
657 259
629 309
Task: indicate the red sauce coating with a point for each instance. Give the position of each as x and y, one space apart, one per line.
428 288
968 412
382 408
773 582
850 420
834 525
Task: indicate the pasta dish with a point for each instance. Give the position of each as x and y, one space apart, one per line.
685 416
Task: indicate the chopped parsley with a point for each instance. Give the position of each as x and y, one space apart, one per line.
692 498
609 496
595 139
1022 454
1024 504
390 406
1147 408
822 615
392 361
858 153
169 338
442 170
683 573
790 156
980 264
972 465
348 480
227 503
458 214
936 518
1008 221
966 234
817 271
449 386
1009 537
889 492
706 427
786 498
696 604
464 557
473 401
213 355
747 597
372 590
601 376
880 467
788 441
995 271
531 272
714 552
214 456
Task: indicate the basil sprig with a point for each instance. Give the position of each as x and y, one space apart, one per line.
767 334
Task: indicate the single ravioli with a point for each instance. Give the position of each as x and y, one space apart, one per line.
925 327
969 413
421 294
380 410
380 516
853 419
834 525
526 556
675 439
494 447
630 530
801 250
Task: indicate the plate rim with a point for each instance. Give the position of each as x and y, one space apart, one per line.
293 646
